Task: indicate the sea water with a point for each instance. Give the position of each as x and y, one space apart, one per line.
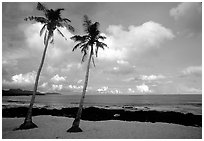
180 103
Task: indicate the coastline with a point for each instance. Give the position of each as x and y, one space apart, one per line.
51 127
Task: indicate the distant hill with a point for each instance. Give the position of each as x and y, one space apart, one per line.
19 92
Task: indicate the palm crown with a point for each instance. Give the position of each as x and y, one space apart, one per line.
90 39
51 21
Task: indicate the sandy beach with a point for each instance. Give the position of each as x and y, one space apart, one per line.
51 127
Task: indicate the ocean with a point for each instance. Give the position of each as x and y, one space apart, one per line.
180 103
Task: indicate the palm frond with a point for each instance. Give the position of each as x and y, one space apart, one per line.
50 35
43 29
41 7
84 55
93 61
45 37
52 41
69 27
61 34
63 23
78 38
66 20
37 19
58 10
78 45
99 45
86 23
101 37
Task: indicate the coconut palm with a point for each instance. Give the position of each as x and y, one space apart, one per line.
89 43
51 21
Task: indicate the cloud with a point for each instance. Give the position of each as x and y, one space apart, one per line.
196 70
24 78
143 88
188 15
130 90
76 87
57 52
102 89
185 8
107 90
58 78
124 44
44 85
79 81
57 87
122 70
151 77
122 62
189 89
20 81
145 78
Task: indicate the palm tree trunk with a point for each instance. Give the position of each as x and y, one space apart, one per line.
75 125
28 124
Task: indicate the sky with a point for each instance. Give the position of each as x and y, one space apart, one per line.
154 48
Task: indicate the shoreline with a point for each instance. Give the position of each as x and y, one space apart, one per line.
104 114
51 127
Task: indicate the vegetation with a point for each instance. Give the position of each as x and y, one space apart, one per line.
52 20
87 43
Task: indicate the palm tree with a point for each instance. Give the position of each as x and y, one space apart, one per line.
52 20
89 42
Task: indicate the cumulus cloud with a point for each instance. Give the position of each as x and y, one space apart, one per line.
44 85
143 88
188 15
79 81
56 53
136 39
151 77
122 62
130 90
20 81
58 78
57 87
76 87
102 89
185 8
24 78
107 90
197 70
145 78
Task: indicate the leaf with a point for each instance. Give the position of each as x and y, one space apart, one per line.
68 26
52 41
78 38
61 34
87 23
93 61
102 37
37 19
66 20
43 29
75 47
99 45
84 55
41 7
50 35
45 37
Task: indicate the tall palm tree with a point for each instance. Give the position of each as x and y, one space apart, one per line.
89 42
52 21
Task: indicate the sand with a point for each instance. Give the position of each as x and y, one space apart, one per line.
50 127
